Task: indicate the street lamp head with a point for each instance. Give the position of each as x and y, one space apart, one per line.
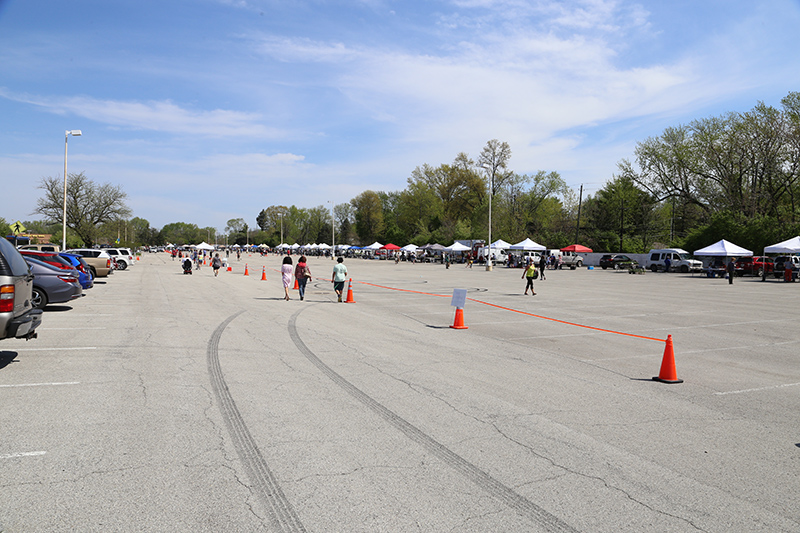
74 133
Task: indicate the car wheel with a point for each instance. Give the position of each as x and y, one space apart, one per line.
684 269
122 265
94 272
38 298
579 264
653 268
616 266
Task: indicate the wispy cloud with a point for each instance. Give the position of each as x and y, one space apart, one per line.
161 116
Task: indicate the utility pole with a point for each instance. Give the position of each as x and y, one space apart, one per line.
578 225
621 222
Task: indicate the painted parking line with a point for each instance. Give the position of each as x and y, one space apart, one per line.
756 390
51 384
21 454
68 329
59 348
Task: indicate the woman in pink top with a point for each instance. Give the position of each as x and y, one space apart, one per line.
286 275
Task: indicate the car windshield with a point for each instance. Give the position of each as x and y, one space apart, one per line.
684 257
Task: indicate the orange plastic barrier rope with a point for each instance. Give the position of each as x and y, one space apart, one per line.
521 313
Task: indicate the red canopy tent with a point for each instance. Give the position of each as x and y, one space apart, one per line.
390 246
577 248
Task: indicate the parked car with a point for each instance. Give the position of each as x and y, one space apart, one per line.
51 258
98 260
52 285
754 266
780 264
616 261
123 258
85 277
42 247
18 318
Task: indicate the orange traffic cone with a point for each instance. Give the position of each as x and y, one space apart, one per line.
296 286
246 272
350 299
263 274
458 323
668 374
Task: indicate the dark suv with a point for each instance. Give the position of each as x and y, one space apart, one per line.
616 262
18 319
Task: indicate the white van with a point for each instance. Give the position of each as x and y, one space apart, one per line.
680 260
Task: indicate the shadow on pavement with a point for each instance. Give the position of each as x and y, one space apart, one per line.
6 358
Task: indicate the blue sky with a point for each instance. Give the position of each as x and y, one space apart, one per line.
207 110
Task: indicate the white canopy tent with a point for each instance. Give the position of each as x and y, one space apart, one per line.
527 245
457 247
374 246
410 248
724 248
792 246
204 246
500 244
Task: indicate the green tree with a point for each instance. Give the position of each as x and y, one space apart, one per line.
88 204
368 216
344 215
181 233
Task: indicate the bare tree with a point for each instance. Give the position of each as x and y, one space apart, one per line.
494 161
89 205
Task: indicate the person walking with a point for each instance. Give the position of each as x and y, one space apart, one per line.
216 264
529 274
339 277
286 275
302 274
731 270
542 266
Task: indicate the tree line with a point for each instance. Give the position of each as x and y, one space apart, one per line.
735 176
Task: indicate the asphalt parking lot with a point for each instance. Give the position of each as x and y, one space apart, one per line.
168 402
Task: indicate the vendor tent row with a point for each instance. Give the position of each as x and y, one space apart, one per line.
725 248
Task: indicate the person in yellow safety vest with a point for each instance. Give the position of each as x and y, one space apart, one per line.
530 275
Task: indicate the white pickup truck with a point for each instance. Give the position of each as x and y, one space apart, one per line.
571 259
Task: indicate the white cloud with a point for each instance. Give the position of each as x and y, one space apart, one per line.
162 116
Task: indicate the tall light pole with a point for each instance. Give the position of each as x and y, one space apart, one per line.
281 215
74 133
489 244
333 233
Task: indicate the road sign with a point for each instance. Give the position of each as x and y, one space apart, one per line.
17 227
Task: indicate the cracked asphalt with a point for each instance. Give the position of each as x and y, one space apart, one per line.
165 402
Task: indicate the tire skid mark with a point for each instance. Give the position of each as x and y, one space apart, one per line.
264 483
493 487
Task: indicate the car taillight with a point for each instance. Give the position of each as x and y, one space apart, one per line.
68 279
6 298
108 263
